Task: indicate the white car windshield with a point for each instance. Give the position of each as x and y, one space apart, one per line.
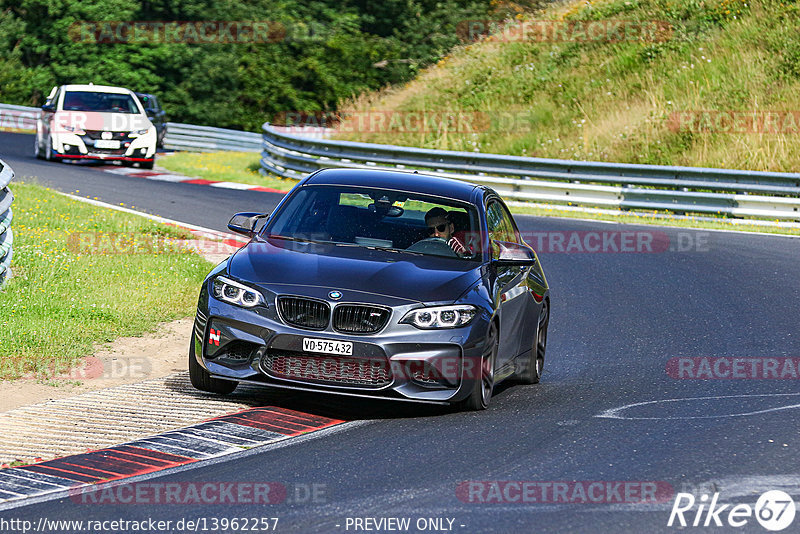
100 102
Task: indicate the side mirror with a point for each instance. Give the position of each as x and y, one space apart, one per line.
512 254
49 108
245 223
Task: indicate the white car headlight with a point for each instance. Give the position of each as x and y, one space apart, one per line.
73 129
137 133
440 317
236 293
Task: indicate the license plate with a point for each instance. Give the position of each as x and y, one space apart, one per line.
326 346
105 143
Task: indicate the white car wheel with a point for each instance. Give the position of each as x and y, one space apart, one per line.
37 147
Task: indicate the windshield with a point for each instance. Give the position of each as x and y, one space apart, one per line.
102 102
376 218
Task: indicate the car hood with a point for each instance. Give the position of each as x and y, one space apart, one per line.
314 269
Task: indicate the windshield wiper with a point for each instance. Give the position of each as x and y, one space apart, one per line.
299 239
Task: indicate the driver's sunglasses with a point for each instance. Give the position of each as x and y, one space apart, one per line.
439 228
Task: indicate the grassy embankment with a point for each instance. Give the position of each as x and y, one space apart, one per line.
85 274
635 101
623 101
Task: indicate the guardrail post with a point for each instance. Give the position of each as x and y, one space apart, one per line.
6 236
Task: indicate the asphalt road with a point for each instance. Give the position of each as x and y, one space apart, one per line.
618 318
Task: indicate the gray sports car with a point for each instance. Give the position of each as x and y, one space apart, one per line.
376 284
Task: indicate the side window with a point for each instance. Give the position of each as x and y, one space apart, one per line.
501 226
499 222
513 233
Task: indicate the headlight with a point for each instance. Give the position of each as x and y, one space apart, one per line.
440 317
73 129
236 293
137 133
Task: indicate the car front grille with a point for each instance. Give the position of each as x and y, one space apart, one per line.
304 313
359 318
108 151
98 134
330 369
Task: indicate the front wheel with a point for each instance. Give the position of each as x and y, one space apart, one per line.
147 164
37 148
202 379
533 372
483 383
48 149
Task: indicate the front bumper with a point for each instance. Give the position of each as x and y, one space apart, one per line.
74 146
400 362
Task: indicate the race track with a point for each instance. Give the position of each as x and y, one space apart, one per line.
618 318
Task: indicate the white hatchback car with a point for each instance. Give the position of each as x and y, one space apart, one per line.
95 122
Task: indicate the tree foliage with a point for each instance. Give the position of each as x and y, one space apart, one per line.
329 50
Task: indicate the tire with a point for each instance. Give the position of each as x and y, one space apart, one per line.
202 379
481 392
37 148
533 372
147 164
48 149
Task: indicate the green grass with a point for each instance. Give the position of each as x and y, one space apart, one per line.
66 294
241 167
615 101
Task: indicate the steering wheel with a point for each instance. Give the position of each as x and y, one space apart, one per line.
433 245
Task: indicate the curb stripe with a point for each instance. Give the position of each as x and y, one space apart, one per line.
48 479
276 421
266 426
315 419
233 433
193 443
267 414
168 459
219 436
178 178
37 484
99 462
63 473
16 486
99 474
138 460
267 189
215 436
163 444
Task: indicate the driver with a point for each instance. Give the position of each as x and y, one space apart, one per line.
440 226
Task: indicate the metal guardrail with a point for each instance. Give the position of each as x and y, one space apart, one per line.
6 235
18 118
585 183
208 139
